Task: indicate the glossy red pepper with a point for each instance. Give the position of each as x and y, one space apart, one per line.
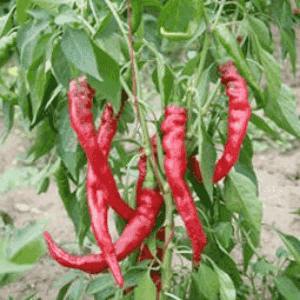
239 111
105 136
175 164
80 102
136 230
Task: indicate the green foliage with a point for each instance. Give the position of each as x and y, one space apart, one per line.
19 250
178 46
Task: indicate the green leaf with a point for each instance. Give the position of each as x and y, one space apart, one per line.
78 49
110 86
224 233
6 22
68 198
67 278
272 71
207 155
26 40
63 291
65 18
27 244
31 252
261 31
105 285
61 67
7 95
287 288
75 291
22 7
10 267
291 243
283 111
41 145
241 197
136 8
293 270
108 38
43 44
146 289
36 78
262 266
23 96
225 261
67 143
260 4
179 19
261 124
244 164
228 41
288 40
9 114
6 44
206 281
84 213
155 3
44 185
227 290
45 109
203 88
165 81
53 6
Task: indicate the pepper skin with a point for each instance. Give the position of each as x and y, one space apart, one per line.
239 111
80 98
239 115
105 136
175 165
136 230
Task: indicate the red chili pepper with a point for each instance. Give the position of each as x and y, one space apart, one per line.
105 136
175 164
80 102
194 167
97 203
239 114
137 229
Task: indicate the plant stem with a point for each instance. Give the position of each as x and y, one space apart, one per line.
167 262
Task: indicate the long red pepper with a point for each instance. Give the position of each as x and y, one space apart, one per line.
105 136
80 102
144 251
175 164
82 118
136 230
239 111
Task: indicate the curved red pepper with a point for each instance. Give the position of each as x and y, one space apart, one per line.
175 164
136 230
80 98
105 136
239 114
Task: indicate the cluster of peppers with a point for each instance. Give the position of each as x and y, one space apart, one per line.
102 190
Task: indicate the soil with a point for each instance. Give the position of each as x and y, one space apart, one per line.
279 190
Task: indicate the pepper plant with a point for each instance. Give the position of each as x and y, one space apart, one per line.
84 62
